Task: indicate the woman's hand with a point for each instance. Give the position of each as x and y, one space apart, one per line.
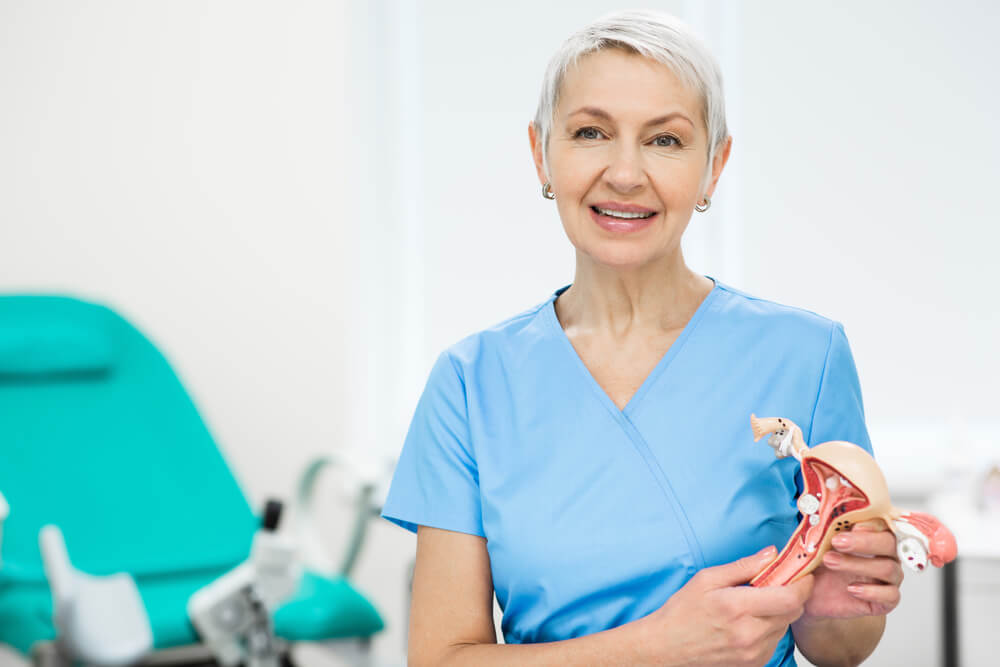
860 576
713 620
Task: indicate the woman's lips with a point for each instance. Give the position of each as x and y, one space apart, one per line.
619 225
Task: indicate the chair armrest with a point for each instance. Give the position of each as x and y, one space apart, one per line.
99 620
361 481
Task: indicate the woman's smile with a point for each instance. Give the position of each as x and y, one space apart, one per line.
621 222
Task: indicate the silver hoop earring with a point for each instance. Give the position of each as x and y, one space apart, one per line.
547 192
700 208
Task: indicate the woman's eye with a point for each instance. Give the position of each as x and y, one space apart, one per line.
663 141
581 131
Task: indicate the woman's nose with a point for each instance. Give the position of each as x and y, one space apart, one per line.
625 172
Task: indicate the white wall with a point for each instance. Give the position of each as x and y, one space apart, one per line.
870 148
304 202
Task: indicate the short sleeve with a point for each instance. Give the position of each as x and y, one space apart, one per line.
436 480
839 413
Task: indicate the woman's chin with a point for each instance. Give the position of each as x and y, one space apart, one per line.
620 255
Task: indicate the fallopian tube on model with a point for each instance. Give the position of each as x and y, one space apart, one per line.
843 486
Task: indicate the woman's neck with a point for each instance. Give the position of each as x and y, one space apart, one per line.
651 298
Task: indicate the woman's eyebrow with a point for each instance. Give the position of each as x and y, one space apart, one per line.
601 113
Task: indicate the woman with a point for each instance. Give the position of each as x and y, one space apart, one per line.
590 459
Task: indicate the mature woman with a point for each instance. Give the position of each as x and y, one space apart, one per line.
590 459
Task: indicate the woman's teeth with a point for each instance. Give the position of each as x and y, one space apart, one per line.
622 214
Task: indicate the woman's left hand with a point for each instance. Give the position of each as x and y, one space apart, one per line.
860 575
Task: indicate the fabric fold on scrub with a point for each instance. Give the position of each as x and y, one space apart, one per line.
594 516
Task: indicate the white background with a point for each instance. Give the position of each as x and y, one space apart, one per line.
303 202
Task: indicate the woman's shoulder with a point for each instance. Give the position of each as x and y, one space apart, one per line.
771 327
743 302
515 334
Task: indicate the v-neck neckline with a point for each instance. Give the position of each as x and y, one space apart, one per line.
553 321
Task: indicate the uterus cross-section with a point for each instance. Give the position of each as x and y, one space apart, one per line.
842 487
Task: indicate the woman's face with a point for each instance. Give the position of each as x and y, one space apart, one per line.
626 134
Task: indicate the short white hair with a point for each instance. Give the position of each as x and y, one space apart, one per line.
653 34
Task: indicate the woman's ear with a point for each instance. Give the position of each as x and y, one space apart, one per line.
536 152
718 163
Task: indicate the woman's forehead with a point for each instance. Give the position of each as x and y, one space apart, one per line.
627 87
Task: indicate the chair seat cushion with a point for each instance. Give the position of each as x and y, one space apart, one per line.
326 608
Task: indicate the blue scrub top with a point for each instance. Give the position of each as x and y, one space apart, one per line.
595 516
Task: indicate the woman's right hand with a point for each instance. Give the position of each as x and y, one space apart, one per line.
714 620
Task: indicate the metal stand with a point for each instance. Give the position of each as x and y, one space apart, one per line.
950 614
262 645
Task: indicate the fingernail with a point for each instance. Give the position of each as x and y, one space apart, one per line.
841 541
854 589
832 560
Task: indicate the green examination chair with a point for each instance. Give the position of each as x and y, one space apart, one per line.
99 437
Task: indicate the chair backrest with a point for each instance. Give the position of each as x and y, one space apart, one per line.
98 436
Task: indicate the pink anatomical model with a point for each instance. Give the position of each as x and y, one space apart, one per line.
843 486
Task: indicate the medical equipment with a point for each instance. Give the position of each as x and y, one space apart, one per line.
843 486
362 482
100 620
233 613
90 409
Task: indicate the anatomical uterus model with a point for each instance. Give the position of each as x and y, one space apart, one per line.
843 486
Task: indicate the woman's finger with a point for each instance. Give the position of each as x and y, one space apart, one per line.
887 596
771 601
866 542
873 525
881 569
